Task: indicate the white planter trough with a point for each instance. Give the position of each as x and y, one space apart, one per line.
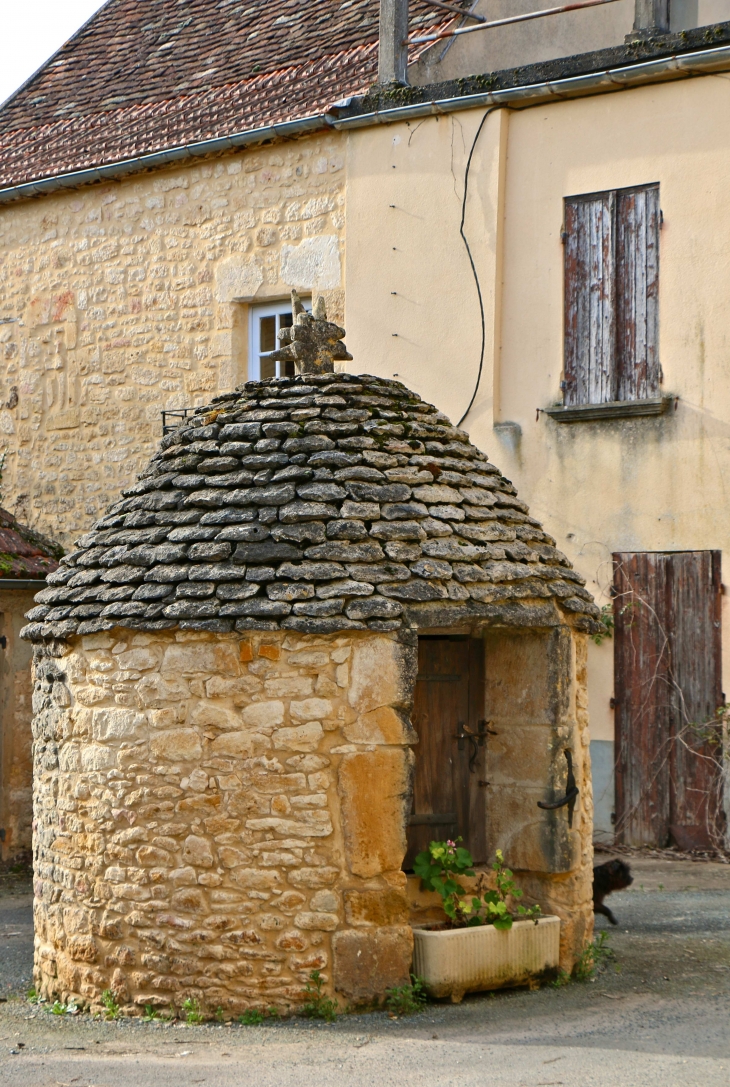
470 960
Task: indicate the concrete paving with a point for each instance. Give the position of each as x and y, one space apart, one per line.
658 1015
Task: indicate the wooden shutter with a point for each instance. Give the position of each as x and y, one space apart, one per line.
637 293
667 674
590 325
611 296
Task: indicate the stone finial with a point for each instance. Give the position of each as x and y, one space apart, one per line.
312 343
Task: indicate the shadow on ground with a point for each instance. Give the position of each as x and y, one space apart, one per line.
657 1015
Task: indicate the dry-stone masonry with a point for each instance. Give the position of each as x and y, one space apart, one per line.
218 816
224 674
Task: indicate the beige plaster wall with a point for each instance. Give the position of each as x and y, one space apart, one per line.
215 818
16 760
647 484
121 299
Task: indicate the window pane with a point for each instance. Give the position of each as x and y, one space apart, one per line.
288 369
268 368
285 320
267 326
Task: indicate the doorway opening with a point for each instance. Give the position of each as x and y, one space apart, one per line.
449 789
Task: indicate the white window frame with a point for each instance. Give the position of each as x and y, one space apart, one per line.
270 309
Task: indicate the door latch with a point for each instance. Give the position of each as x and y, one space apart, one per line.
571 793
476 740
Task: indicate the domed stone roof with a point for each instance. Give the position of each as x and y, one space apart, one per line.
317 503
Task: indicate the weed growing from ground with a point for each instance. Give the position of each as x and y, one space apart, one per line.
193 1014
253 1017
149 1014
318 1006
406 999
593 958
591 962
111 1008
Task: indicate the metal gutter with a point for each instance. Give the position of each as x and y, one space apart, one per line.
677 66
163 158
21 583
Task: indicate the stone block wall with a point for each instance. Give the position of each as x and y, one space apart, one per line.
16 760
215 817
536 703
121 299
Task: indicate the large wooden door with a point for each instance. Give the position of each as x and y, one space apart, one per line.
449 788
667 656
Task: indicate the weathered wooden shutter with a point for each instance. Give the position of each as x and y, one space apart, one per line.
667 674
611 296
590 325
637 293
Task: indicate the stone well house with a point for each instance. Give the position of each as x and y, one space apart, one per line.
266 678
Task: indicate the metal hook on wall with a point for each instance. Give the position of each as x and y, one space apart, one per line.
571 792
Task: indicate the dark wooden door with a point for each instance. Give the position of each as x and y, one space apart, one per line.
448 800
667 657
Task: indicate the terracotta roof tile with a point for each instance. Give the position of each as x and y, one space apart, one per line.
25 554
147 75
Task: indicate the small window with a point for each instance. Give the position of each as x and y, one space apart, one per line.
611 296
265 323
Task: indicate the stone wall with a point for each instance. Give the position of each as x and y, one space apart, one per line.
215 818
121 299
536 703
16 761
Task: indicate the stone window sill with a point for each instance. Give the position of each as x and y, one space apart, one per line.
616 409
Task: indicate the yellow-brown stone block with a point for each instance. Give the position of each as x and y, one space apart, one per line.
375 789
366 963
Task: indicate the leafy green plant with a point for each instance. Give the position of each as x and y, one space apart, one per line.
58 1008
407 999
252 1017
219 1014
150 1014
33 996
318 1006
440 867
607 621
591 961
191 1008
593 958
111 1008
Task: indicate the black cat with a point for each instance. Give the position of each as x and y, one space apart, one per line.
611 876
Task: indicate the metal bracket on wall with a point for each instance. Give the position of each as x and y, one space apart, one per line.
571 793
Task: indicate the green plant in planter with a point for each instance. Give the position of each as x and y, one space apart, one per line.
440 867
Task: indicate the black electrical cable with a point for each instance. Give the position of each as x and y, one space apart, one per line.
471 260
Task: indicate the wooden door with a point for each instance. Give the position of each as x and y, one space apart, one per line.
448 799
667 656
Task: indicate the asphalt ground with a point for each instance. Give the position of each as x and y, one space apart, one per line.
658 1014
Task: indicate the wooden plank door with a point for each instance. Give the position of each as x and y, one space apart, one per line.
448 800
667 658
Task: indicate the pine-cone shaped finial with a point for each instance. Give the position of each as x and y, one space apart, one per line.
312 343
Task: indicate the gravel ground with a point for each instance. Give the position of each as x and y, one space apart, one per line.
657 1015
